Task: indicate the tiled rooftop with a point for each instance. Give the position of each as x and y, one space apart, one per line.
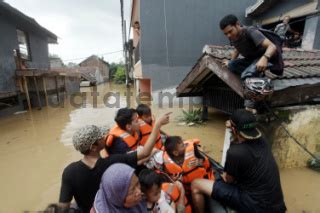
298 63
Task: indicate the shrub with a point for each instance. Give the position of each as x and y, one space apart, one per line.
192 116
120 76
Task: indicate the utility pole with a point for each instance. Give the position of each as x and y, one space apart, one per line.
125 44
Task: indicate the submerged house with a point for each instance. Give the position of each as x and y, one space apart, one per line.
221 89
25 77
166 45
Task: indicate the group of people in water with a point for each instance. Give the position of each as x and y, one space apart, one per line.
136 167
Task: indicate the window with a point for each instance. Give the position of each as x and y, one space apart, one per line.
24 46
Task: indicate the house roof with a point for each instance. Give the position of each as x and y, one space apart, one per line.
25 22
259 7
302 68
298 63
93 57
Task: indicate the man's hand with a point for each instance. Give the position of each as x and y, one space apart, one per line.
225 62
163 119
262 64
228 124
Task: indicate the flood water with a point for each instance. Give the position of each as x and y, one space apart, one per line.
34 150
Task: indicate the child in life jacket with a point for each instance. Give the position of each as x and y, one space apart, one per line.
182 162
146 123
162 197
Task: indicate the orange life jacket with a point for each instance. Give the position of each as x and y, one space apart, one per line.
117 132
174 193
188 170
146 130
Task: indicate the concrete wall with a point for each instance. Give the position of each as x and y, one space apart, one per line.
281 8
173 34
311 34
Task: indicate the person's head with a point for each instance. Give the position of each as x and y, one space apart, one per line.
127 119
243 124
150 182
144 113
230 26
174 146
119 190
136 25
286 19
89 139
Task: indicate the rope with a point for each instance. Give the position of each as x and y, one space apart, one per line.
288 133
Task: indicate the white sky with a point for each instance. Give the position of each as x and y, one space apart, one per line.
83 27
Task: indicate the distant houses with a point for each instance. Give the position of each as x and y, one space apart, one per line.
93 70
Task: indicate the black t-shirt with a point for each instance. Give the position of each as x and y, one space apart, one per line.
252 165
249 43
82 183
249 46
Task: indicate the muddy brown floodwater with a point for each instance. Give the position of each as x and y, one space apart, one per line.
35 147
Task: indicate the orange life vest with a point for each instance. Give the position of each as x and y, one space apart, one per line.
188 170
117 132
146 130
174 193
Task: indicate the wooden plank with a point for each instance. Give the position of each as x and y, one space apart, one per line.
225 75
37 91
57 89
65 86
45 90
24 73
27 92
296 95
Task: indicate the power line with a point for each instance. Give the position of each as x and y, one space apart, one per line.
74 59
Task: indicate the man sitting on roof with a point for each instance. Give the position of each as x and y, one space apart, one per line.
250 181
258 51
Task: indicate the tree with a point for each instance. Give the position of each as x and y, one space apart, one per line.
120 75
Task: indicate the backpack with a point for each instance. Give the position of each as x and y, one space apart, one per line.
273 37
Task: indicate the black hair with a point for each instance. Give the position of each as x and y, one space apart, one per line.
148 178
228 20
143 109
171 144
124 117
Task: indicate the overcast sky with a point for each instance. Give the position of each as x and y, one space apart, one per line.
83 27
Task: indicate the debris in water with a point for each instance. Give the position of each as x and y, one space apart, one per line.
20 112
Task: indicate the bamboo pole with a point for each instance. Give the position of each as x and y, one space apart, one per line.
37 91
45 90
27 92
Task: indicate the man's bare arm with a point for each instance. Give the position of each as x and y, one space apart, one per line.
234 54
147 149
270 51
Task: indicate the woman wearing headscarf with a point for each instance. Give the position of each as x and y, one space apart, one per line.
119 191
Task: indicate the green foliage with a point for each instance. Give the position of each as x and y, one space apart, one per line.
192 116
120 75
113 67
